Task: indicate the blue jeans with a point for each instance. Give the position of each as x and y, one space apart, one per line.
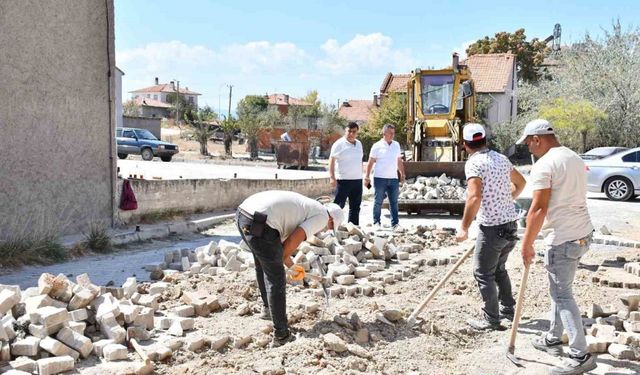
389 187
561 262
351 189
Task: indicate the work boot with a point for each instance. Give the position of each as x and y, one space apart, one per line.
483 325
265 313
575 365
282 340
553 347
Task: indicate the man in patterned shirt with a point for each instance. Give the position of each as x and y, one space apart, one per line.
492 184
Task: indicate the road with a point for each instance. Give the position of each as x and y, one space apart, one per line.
192 170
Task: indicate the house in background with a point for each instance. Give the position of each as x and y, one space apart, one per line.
394 83
358 111
284 104
495 81
154 101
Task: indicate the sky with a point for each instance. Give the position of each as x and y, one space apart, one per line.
342 49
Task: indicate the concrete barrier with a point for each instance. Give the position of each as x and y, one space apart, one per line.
157 196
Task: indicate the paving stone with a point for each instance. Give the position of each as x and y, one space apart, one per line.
195 344
128 311
42 332
55 365
75 341
78 327
79 315
631 326
334 343
99 346
16 372
346 279
219 342
50 316
631 301
622 351
144 318
129 287
58 349
629 338
361 272
184 311
115 352
634 316
160 353
138 333
362 336
146 300
8 299
111 329
25 364
25 347
596 345
242 341
105 304
81 299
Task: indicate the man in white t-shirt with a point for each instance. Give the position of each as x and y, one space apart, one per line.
273 224
387 158
490 195
559 182
345 171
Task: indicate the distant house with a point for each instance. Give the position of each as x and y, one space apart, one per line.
283 103
394 83
358 111
155 100
495 80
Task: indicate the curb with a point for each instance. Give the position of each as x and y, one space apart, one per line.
169 229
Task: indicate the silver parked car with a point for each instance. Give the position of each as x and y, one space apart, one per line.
601 152
618 176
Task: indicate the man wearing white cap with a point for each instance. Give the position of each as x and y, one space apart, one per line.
490 195
273 224
559 182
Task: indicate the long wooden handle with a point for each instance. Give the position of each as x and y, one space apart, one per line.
435 290
519 303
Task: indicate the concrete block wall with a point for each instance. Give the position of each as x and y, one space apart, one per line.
152 124
208 194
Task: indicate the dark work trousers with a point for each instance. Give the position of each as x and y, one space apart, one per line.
267 252
493 246
351 189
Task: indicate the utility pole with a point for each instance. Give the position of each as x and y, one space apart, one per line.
230 90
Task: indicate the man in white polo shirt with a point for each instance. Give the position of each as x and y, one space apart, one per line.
345 171
559 183
387 158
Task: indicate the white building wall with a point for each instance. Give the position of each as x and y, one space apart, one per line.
118 92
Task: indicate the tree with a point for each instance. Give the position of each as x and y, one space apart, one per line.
392 111
529 54
602 72
573 116
130 108
316 105
200 130
229 126
208 114
253 117
180 108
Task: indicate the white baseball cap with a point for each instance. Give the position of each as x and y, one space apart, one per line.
336 213
473 132
536 127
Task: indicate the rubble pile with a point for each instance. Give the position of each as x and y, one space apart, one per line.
616 332
618 273
46 329
428 188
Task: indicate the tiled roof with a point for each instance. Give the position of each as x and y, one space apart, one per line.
394 83
284 99
151 103
356 110
491 72
165 87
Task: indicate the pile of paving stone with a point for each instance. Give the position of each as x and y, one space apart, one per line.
46 329
428 188
348 262
614 331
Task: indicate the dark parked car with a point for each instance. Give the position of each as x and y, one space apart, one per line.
601 152
142 142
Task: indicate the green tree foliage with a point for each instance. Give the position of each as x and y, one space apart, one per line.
180 108
200 129
529 54
253 117
603 73
393 110
573 117
316 105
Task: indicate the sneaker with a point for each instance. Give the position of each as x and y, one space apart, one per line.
507 313
575 365
280 341
483 325
553 347
398 229
376 226
386 226
265 314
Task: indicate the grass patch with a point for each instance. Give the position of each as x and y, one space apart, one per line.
166 215
97 239
23 251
